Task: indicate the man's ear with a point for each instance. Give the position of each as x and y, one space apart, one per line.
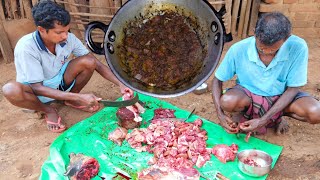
41 29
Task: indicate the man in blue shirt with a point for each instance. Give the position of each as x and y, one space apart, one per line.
45 73
270 68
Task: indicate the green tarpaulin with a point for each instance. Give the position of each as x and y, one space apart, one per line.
90 137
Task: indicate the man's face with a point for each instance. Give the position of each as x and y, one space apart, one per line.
56 35
270 50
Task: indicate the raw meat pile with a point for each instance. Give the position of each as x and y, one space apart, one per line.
177 146
225 153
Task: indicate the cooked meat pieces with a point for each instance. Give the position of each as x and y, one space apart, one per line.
163 52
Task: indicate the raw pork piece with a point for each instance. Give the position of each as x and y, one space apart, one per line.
129 117
126 118
225 153
118 135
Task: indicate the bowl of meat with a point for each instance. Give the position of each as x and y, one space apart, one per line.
254 163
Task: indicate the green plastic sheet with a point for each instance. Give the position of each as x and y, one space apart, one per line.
90 137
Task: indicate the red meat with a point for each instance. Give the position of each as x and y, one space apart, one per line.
225 153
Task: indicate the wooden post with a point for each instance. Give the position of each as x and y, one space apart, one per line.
21 9
254 16
34 2
14 9
27 6
5 45
2 17
246 19
234 20
227 16
102 3
242 16
72 8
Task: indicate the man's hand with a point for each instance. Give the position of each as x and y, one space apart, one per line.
226 122
89 100
126 91
252 125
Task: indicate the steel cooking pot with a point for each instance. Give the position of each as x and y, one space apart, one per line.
207 25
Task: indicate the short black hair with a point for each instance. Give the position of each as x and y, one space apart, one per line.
47 13
272 27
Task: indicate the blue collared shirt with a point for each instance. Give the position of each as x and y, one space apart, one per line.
35 63
287 69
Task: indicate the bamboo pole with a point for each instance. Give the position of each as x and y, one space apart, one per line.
34 2
242 16
21 9
87 6
27 8
82 8
5 45
117 3
91 15
227 16
8 8
234 20
14 9
102 3
2 17
79 34
254 16
246 20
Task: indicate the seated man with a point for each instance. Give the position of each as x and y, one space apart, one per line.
44 72
270 69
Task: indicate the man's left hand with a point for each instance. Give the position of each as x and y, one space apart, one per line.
126 91
252 125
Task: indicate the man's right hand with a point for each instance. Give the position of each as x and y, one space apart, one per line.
89 100
227 123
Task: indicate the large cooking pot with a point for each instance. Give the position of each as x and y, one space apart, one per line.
206 24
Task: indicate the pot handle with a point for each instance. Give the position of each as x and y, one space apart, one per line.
95 47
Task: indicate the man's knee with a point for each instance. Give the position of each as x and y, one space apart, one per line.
234 103
314 115
12 91
228 103
89 62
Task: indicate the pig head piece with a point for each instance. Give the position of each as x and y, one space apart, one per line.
82 167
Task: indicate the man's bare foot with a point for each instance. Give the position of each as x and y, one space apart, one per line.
282 127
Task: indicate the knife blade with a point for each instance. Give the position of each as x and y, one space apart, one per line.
124 103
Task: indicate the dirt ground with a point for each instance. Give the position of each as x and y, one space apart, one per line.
25 141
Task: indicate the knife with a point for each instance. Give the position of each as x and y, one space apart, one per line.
124 103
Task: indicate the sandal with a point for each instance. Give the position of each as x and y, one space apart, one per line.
83 108
58 124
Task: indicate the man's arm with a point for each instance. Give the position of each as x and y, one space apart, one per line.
216 94
225 120
85 99
284 100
